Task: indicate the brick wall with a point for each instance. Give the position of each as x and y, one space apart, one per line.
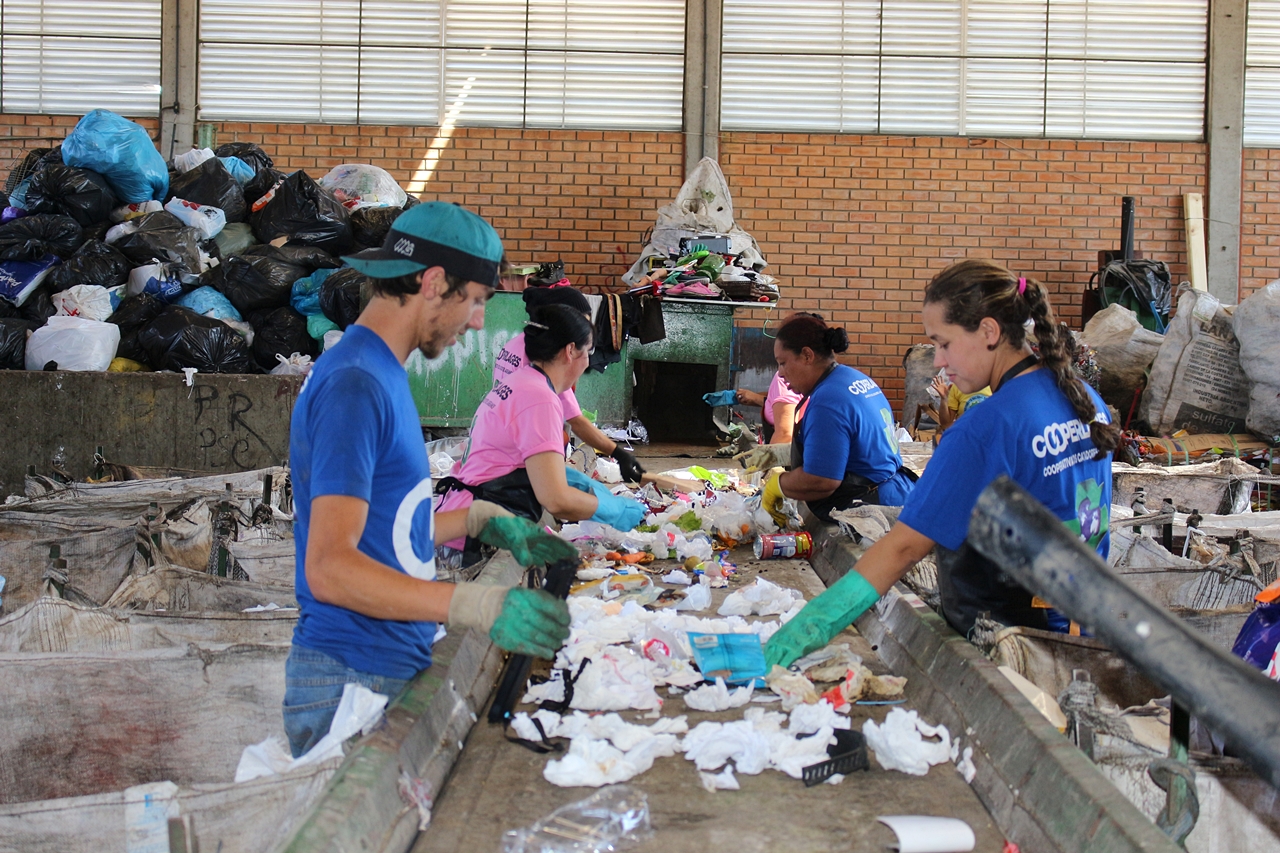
1260 220
852 225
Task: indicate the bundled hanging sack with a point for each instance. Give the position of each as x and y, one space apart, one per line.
122 152
160 237
1196 382
73 343
34 237
13 344
340 296
257 282
82 194
299 210
359 185
280 332
211 184
207 221
1256 323
132 315
93 263
369 225
180 338
247 152
1125 351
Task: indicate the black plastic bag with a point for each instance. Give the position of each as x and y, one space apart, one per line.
39 307
161 236
246 151
210 183
13 344
132 315
303 212
256 282
369 225
33 237
340 296
282 331
82 194
261 184
309 258
93 263
179 337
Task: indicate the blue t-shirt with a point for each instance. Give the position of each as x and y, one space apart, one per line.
1029 431
355 432
847 428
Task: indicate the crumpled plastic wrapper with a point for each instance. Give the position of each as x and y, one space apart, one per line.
761 598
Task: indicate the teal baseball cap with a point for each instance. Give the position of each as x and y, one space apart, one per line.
435 234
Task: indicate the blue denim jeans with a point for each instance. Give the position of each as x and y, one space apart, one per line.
313 683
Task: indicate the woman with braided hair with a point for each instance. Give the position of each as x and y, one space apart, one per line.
1043 427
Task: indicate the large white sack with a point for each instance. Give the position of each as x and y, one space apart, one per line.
1196 382
1125 350
1257 328
74 343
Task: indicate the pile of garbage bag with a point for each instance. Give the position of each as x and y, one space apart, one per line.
113 259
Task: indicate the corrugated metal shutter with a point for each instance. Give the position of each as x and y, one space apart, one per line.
1077 68
47 45
534 63
1262 75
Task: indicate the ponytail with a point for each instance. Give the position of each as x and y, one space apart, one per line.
810 330
972 290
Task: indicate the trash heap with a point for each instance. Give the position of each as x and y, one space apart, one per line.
111 259
697 251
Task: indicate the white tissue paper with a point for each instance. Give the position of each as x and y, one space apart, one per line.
697 598
677 577
900 744
724 781
761 598
717 697
593 763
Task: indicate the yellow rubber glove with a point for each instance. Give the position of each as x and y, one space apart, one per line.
772 497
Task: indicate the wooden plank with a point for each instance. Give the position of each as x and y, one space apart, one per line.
1193 214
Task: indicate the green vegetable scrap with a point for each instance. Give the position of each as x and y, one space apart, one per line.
717 481
689 522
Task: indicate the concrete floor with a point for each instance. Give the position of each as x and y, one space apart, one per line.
497 786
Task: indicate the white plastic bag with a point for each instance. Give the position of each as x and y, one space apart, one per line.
1256 321
359 185
206 219
90 301
295 365
133 211
188 160
74 344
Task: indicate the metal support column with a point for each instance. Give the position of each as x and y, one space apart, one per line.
179 49
1224 133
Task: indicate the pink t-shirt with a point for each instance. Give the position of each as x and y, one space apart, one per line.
512 358
779 392
520 417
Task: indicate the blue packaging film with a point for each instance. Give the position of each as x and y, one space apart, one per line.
737 658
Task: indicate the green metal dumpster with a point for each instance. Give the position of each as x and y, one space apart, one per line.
449 389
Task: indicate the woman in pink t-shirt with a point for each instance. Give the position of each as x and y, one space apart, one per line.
779 406
515 456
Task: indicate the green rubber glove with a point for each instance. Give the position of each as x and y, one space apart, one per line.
532 622
820 620
527 542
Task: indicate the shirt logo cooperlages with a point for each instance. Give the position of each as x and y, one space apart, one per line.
1058 437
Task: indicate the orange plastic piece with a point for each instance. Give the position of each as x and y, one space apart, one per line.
1269 594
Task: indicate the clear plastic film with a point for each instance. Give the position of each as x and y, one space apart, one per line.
613 818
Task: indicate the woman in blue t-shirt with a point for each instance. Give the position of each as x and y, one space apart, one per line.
843 447
1043 427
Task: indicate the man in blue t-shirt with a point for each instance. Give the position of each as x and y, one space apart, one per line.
364 529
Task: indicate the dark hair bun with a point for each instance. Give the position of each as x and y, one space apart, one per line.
836 339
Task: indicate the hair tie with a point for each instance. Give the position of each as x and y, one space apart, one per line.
536 325
1022 286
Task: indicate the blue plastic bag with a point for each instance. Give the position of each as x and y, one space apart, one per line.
122 152
239 169
209 302
1257 640
737 658
305 296
19 279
